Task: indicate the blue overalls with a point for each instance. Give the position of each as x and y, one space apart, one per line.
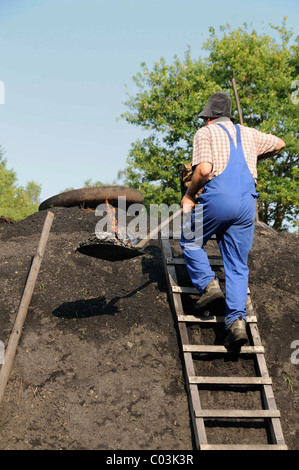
228 204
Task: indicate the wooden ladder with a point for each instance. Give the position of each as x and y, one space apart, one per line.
194 383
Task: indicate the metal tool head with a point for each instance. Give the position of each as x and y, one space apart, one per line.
110 248
109 252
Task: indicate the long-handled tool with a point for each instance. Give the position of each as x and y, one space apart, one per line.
237 101
241 122
118 250
24 304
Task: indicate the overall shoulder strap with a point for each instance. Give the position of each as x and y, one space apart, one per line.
238 133
229 136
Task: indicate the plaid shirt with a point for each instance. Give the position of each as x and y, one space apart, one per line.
211 144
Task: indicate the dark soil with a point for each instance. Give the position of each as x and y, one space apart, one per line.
99 366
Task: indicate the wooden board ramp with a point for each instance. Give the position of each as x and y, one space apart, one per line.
203 419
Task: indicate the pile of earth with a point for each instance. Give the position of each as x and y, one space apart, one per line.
99 365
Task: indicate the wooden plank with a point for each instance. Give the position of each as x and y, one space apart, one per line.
237 414
188 290
267 391
249 307
210 319
181 261
24 305
221 349
177 235
242 447
176 302
230 380
184 290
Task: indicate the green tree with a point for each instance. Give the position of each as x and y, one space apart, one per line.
168 101
16 202
170 97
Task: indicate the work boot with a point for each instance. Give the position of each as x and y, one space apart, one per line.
211 294
236 335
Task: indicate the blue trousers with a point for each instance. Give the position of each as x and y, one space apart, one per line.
226 208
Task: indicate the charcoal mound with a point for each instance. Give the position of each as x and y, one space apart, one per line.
99 366
108 246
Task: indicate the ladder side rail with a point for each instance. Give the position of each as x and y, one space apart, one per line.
193 393
267 390
268 395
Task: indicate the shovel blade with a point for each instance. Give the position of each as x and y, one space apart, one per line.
109 252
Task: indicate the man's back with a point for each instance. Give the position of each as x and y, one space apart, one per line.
211 144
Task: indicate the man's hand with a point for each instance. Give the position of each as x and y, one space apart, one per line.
187 204
199 179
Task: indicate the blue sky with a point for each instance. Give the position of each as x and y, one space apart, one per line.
65 64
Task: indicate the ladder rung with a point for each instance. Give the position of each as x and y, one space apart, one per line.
189 290
175 260
221 349
177 236
230 380
180 260
210 319
242 447
184 290
237 413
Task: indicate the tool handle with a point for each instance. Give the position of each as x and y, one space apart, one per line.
24 304
154 232
237 101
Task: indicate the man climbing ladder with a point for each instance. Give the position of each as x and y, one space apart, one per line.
224 165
